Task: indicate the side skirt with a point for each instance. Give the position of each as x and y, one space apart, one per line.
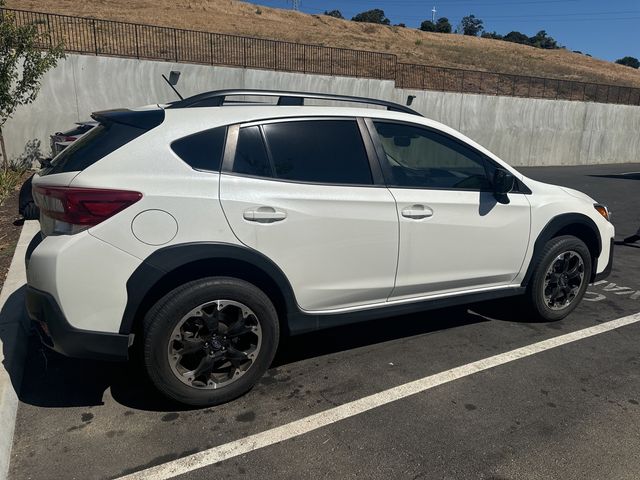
300 322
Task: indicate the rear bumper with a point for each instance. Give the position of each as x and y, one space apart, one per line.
56 332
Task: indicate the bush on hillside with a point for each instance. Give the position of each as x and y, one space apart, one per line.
372 16
334 14
632 62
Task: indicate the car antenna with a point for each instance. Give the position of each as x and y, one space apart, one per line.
174 76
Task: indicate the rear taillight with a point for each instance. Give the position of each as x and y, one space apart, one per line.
69 139
81 207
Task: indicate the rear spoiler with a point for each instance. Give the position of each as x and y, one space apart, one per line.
143 119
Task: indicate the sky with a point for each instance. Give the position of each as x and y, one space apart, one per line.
608 30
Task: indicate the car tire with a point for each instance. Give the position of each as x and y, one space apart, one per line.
26 206
209 341
560 278
30 211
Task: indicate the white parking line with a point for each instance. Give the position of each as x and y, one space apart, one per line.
305 425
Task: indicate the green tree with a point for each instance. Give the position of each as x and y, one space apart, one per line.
428 26
443 25
334 14
26 54
517 37
471 25
493 35
372 16
632 62
542 40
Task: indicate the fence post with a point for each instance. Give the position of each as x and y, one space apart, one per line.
211 47
244 52
175 43
135 29
331 60
462 84
95 37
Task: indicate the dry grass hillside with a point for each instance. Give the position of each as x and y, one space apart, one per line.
410 45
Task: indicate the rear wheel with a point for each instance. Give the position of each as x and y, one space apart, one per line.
209 341
560 279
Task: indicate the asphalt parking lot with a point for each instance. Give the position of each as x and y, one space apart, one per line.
570 412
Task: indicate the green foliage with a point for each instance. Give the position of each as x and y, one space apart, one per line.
632 62
26 54
542 40
539 40
418 42
258 11
471 25
492 35
428 26
443 25
517 37
9 179
334 14
372 16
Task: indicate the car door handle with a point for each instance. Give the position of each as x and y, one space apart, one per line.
264 215
417 212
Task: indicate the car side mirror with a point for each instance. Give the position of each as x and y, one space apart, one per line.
503 182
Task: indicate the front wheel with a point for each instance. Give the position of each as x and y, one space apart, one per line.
209 341
560 279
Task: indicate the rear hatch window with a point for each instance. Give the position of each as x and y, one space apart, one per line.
115 129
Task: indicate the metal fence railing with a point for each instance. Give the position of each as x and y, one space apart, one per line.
123 39
425 77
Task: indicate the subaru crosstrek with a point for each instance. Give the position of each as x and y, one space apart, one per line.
202 231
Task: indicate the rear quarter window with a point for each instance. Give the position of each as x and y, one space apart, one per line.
202 150
98 143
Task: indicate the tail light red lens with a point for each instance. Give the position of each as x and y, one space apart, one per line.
82 206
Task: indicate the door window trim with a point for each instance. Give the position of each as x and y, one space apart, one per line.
233 131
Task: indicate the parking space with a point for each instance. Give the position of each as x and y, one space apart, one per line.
566 412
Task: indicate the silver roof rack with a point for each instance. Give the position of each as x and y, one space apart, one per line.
216 98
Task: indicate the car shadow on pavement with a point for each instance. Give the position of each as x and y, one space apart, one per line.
13 328
622 176
52 380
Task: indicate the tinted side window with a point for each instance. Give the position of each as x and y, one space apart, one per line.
251 156
418 157
202 150
322 151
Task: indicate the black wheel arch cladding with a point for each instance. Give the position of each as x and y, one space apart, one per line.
167 267
575 224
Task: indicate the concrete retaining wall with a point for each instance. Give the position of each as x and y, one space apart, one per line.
522 131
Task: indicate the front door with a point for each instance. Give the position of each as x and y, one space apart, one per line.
454 235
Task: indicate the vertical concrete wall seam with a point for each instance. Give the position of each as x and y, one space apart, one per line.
75 87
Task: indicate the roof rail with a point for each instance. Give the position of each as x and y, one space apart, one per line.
216 98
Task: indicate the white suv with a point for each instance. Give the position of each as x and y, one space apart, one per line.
201 235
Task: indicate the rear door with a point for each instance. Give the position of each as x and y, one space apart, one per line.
302 192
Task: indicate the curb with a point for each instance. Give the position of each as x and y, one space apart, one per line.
14 331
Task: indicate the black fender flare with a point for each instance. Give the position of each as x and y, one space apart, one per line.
165 260
555 225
